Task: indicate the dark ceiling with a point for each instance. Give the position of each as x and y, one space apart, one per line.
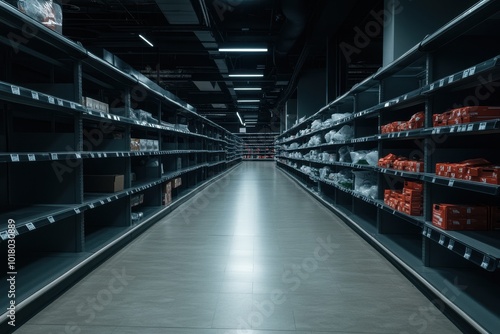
186 36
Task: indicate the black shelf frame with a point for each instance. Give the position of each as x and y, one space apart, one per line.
434 254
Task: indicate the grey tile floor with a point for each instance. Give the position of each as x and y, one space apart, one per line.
254 254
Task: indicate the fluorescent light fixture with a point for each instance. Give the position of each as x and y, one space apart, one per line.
242 49
248 101
247 88
145 40
239 117
246 75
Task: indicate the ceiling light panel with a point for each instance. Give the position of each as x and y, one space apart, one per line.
242 49
248 88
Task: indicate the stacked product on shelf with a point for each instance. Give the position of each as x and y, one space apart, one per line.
460 217
47 12
477 170
466 115
430 77
392 161
409 200
417 121
365 183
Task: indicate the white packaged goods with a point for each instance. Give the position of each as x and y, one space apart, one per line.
336 117
294 146
345 133
329 136
345 154
365 182
343 178
324 172
326 124
316 125
314 141
365 157
372 158
47 12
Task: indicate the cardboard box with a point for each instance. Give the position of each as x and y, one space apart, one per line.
167 187
414 185
95 105
103 183
136 199
135 144
460 211
462 224
177 182
167 199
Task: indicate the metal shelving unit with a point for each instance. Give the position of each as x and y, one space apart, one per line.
50 141
258 146
424 79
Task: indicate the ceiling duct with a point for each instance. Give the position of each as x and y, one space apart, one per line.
178 11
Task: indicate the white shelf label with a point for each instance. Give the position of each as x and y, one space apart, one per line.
465 74
34 95
470 127
77 210
30 226
4 235
72 105
442 239
433 180
482 126
452 129
60 102
468 253
472 70
450 79
102 202
31 157
15 90
105 155
91 205
51 100
429 233
54 156
78 155
431 87
441 83
51 219
486 262
451 244
451 183
108 199
14 157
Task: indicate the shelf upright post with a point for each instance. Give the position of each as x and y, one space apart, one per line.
127 102
427 247
78 145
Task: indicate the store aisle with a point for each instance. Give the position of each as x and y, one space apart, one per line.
252 251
